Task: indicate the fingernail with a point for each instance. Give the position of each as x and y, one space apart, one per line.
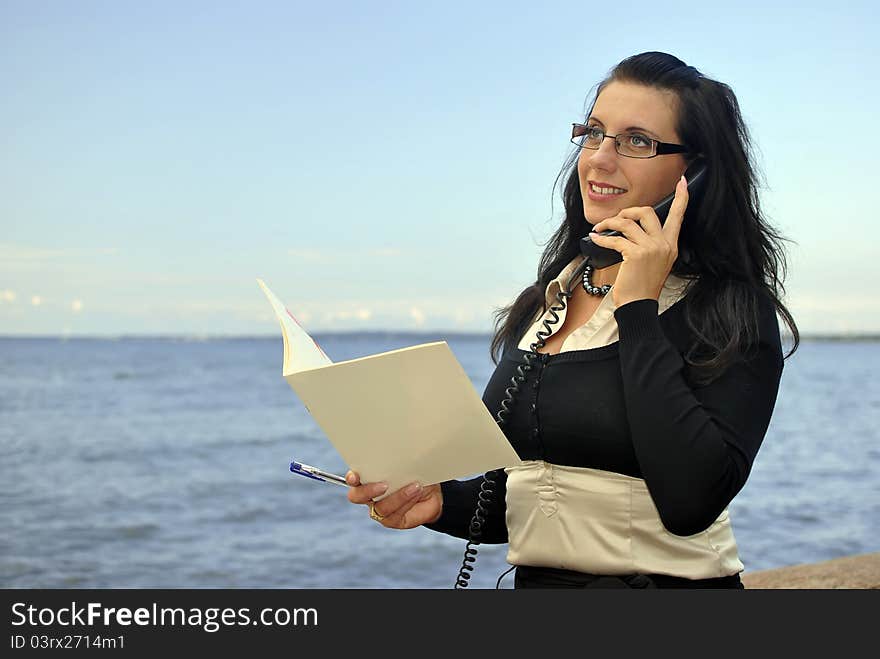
411 490
349 478
684 179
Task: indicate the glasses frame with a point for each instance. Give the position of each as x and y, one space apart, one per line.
660 148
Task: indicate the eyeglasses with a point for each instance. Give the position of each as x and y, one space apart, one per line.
631 145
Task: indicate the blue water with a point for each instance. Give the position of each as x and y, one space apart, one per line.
155 463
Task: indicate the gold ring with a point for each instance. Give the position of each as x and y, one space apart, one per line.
374 514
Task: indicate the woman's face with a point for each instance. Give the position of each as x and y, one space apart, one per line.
629 107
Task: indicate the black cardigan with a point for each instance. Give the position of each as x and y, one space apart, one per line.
629 408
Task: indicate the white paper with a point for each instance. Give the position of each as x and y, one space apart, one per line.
400 416
301 352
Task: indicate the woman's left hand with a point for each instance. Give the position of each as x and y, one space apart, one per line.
649 249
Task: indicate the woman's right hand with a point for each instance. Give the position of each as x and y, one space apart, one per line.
409 507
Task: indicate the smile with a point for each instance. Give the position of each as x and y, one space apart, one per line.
601 191
606 191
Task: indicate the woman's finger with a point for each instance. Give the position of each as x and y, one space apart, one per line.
627 226
617 243
674 220
366 493
647 217
397 519
394 501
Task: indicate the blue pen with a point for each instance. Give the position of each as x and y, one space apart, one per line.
316 474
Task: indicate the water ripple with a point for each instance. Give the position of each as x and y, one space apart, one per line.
164 464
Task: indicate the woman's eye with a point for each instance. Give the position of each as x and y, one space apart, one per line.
637 140
594 132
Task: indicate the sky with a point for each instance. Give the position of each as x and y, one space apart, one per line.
384 165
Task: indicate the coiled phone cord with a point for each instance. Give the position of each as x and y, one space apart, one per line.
487 487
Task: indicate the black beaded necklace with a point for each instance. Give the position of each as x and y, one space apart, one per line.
588 283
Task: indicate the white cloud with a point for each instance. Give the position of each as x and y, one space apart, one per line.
417 315
345 314
11 253
834 303
462 311
462 316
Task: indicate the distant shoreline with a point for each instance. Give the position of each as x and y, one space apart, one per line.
437 335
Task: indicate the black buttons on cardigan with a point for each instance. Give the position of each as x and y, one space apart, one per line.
534 408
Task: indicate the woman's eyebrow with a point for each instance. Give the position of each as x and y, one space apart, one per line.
644 130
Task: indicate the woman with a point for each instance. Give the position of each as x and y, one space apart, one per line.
640 418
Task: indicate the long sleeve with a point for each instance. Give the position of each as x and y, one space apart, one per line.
695 447
459 501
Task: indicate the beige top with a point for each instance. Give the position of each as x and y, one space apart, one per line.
597 521
601 329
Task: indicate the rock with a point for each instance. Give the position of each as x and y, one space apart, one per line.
862 571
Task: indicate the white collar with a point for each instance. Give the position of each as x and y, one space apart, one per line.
673 289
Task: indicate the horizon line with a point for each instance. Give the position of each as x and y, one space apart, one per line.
818 336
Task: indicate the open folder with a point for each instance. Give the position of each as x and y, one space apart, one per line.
400 416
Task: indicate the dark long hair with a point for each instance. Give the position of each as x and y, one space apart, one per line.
727 250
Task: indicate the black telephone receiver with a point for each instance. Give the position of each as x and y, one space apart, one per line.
602 257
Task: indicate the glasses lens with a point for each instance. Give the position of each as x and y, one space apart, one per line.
635 145
588 137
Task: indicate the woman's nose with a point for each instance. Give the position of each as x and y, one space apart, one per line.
605 157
